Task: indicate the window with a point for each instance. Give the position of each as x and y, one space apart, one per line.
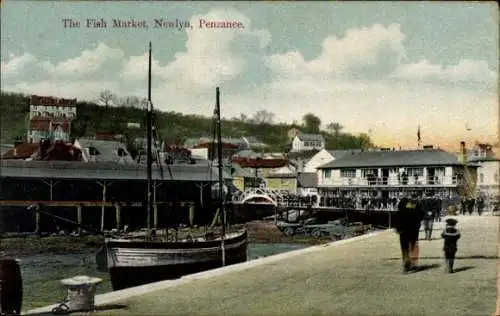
365 173
415 172
481 178
327 173
348 173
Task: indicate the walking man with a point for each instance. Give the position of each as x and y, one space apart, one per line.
439 209
428 205
408 218
480 205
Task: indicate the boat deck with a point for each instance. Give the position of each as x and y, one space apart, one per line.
360 276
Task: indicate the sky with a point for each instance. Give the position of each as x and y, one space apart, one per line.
381 68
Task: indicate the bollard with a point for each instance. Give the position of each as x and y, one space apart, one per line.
81 294
11 287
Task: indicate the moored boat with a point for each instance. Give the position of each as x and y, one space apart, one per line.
135 262
137 259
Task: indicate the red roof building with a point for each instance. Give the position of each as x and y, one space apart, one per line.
50 118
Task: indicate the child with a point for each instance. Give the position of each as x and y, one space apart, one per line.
450 236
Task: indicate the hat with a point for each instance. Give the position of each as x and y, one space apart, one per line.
451 222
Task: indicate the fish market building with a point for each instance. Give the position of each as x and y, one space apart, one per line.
386 175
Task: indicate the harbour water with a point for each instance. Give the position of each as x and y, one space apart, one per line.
42 272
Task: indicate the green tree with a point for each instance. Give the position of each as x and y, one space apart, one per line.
311 123
334 128
263 117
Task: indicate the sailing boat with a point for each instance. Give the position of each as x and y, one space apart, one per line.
137 260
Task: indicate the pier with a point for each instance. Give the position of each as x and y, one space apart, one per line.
358 276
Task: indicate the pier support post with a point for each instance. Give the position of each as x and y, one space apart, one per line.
155 205
104 186
51 183
37 219
79 217
118 215
155 215
191 214
201 186
390 219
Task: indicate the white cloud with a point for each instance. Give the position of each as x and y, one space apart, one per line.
80 89
358 48
465 70
208 59
17 64
88 62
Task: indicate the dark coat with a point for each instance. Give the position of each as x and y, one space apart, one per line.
451 235
429 208
409 215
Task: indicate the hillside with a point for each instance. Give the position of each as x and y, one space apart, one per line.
174 127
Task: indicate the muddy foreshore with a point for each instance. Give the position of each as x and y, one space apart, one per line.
258 232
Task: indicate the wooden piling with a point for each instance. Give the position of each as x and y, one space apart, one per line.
37 220
191 214
118 216
79 217
155 215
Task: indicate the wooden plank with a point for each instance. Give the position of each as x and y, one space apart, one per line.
83 203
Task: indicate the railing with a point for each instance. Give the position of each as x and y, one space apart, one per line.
391 181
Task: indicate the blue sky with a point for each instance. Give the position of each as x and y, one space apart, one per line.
383 67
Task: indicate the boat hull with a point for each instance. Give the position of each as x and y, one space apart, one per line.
134 263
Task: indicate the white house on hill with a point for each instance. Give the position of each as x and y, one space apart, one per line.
305 142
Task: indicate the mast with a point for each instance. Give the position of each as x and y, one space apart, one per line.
222 199
149 147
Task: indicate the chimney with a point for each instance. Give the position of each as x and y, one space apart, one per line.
463 152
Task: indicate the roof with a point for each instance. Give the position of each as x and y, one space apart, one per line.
339 153
307 179
238 171
193 142
311 137
108 150
246 154
403 158
105 171
254 142
287 171
21 151
481 159
4 148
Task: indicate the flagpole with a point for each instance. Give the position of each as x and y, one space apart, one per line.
418 136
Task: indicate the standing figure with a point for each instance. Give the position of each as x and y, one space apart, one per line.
470 205
439 209
480 205
463 206
428 207
451 235
408 218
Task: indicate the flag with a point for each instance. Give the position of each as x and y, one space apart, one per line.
418 135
